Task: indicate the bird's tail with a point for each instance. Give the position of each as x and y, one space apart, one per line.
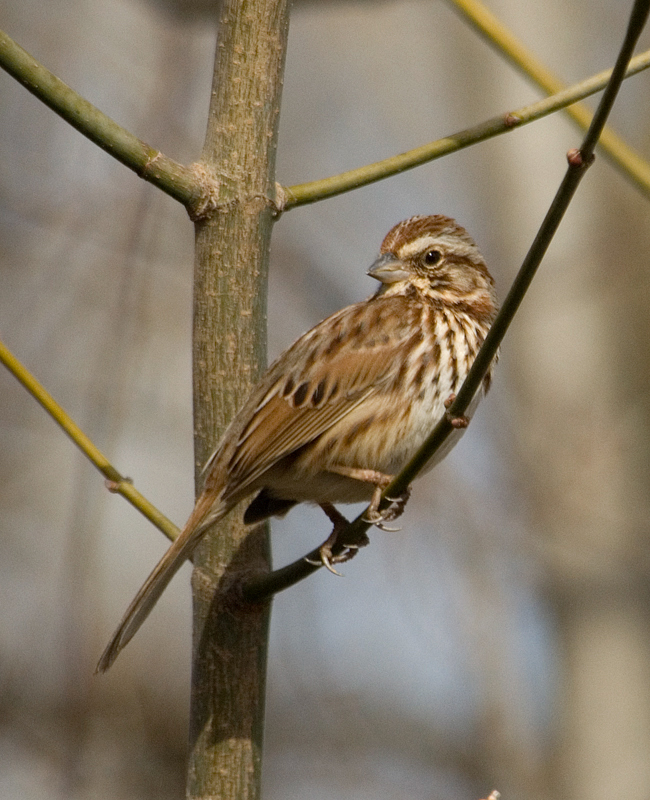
204 515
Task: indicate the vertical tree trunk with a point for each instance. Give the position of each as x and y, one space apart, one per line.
229 650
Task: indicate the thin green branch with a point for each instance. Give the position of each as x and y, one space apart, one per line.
624 157
188 185
304 193
115 482
579 161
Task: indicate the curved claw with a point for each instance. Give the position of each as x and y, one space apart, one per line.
327 558
327 563
391 512
324 561
378 523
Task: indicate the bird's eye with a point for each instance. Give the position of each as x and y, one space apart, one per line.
432 257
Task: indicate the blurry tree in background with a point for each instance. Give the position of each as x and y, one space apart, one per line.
502 638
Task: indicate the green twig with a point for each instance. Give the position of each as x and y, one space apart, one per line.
579 160
624 157
115 482
188 185
311 192
195 188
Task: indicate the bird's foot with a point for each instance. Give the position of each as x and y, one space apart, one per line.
326 552
373 515
395 509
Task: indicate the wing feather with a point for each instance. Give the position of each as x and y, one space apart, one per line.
325 375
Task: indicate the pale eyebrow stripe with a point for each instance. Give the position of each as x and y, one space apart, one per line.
442 241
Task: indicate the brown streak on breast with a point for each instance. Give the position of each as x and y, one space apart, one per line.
450 335
418 378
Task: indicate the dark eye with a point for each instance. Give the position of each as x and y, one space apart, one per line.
432 257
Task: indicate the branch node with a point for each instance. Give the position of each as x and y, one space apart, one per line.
457 422
511 120
115 486
281 197
577 158
145 171
207 202
460 421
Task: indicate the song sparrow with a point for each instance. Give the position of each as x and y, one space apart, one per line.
350 402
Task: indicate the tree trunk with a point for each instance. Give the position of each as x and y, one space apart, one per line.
232 244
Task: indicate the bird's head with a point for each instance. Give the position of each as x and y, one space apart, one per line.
436 257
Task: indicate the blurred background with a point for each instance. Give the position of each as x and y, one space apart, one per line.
502 638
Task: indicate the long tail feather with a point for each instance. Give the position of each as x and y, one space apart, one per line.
144 601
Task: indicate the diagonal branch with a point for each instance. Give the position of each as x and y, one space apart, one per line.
115 482
624 157
579 161
311 192
185 184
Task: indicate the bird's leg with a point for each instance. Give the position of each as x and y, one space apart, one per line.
327 556
381 481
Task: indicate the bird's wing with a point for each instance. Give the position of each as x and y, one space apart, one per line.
325 375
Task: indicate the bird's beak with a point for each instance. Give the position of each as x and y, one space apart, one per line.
387 268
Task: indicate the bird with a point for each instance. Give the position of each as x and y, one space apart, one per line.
346 406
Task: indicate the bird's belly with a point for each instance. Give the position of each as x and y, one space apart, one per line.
319 487
374 437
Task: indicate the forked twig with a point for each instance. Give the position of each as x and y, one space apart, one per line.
196 188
